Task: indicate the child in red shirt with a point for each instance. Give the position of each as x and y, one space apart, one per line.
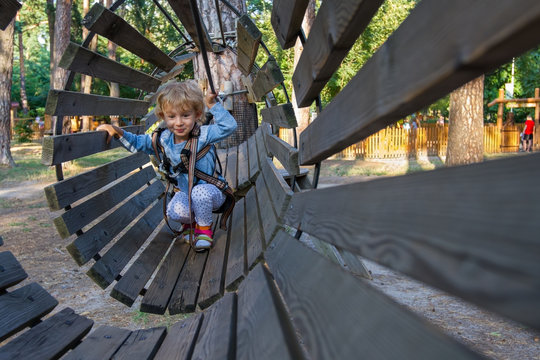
528 134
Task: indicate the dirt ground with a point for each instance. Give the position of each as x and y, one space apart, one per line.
27 231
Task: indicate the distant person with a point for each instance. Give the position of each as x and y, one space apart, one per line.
440 122
41 126
528 134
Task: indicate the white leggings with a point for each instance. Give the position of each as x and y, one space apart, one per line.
205 198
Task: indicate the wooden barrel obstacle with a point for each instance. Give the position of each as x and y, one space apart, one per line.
265 294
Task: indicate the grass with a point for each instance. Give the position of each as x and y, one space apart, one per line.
145 319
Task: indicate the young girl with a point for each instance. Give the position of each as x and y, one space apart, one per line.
180 105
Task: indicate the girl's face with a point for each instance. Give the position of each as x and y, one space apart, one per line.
180 122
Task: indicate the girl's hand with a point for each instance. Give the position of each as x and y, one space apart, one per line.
210 99
111 130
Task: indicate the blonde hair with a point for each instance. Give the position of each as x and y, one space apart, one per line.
183 96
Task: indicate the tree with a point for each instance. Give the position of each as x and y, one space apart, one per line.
113 87
6 69
24 99
466 124
86 80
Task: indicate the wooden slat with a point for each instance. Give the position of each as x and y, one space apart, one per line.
130 285
181 60
255 240
65 192
100 344
281 115
243 181
232 165
109 266
470 40
217 337
354 264
334 32
141 344
279 191
261 147
248 38
11 271
180 339
287 16
22 307
49 339
87 245
81 215
8 10
253 156
72 103
106 23
267 79
159 292
263 330
182 9
338 300
285 153
453 234
184 296
268 214
236 265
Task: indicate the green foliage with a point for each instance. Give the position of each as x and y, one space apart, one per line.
23 131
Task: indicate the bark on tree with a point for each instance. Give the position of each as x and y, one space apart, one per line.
24 98
466 124
86 80
50 10
114 88
6 71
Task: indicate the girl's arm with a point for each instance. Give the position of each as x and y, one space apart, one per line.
132 142
224 123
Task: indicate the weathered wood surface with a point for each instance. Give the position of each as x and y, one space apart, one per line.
72 103
182 9
261 147
453 234
49 339
84 61
141 344
287 16
184 296
267 212
285 153
236 266
279 191
267 79
253 158
65 192
106 23
61 148
254 236
470 40
281 115
101 344
264 330
243 181
181 60
232 166
360 315
248 38
8 10
11 271
180 340
334 32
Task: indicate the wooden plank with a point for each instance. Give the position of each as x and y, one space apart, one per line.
255 240
180 340
217 337
131 284
232 166
159 292
72 103
11 271
182 9
8 10
236 265
287 16
83 214
141 344
109 266
100 344
267 79
248 38
351 302
106 23
184 296
243 181
49 339
285 153
253 157
87 245
453 234
470 41
84 61
279 191
334 32
354 264
66 192
264 330
281 115
267 212
222 156
181 60
261 147
23 307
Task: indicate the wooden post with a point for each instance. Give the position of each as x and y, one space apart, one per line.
537 107
500 111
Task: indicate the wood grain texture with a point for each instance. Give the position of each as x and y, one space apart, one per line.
454 234
287 16
232 166
141 344
253 157
243 181
334 32
72 103
182 9
254 236
261 147
65 192
11 271
22 307
285 153
186 290
106 23
8 10
387 330
281 115
279 191
130 285
83 248
236 265
267 212
263 330
248 38
61 148
49 339
100 344
400 78
267 79
180 339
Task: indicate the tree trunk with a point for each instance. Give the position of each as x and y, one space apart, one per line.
223 68
6 70
114 88
50 10
86 80
24 99
466 124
